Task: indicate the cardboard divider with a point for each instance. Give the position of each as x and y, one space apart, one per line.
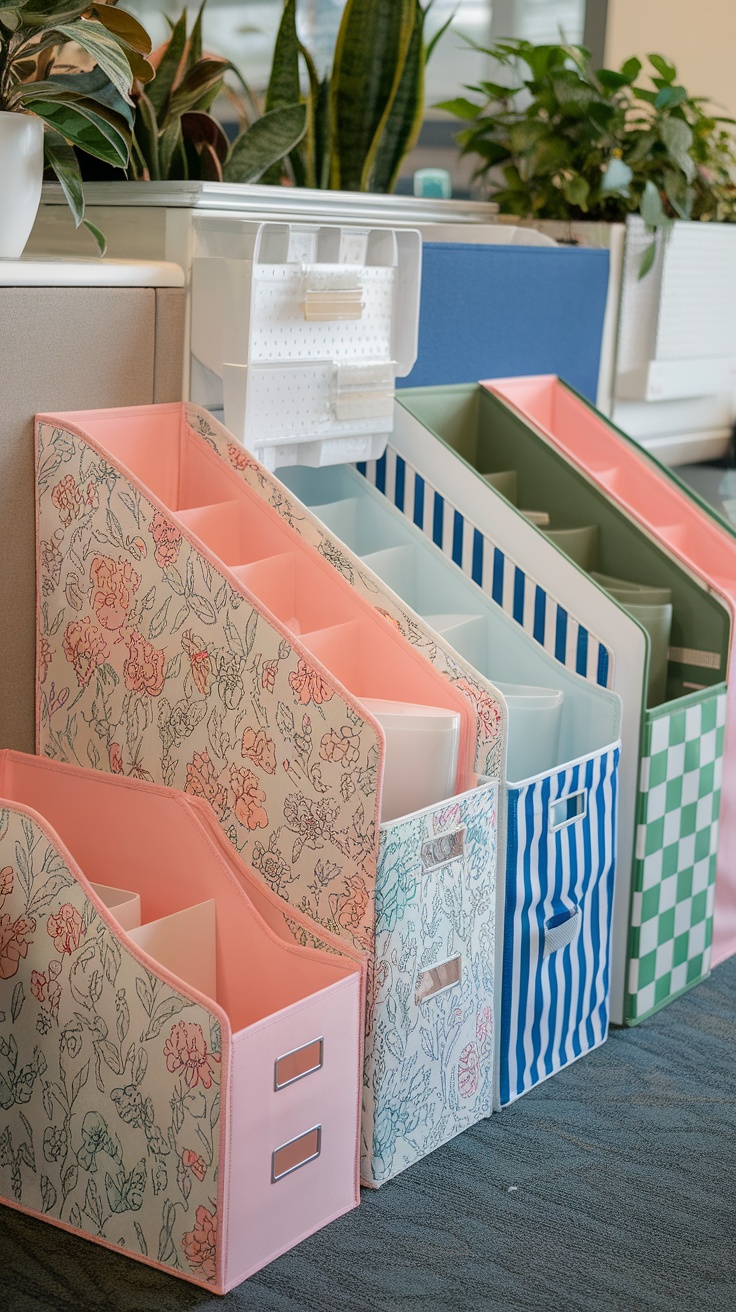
535 717
285 584
466 633
124 905
185 944
227 530
581 544
355 523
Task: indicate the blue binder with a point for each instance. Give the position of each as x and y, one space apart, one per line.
499 311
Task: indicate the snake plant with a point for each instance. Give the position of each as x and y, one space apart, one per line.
176 137
364 116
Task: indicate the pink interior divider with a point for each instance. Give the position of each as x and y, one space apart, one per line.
233 527
635 483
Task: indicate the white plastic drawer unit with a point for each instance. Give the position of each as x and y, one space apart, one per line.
298 332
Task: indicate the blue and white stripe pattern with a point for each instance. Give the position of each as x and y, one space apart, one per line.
526 601
555 1006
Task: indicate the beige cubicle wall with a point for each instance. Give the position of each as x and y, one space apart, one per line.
64 348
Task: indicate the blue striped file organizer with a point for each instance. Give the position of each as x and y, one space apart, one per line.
441 438
501 310
553 924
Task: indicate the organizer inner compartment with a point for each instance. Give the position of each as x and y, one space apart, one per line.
259 547
688 628
147 842
434 587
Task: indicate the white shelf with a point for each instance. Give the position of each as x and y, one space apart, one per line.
59 272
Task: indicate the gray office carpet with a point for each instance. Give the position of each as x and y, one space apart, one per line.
613 1186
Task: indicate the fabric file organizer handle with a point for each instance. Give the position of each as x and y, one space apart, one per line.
561 933
157 1125
568 772
232 662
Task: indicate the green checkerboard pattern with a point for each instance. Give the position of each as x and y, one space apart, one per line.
676 845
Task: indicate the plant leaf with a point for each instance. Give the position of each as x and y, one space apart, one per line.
124 27
95 86
460 107
198 88
678 138
400 125
651 206
62 159
647 260
194 44
616 176
104 49
89 126
438 35
663 66
370 52
99 236
167 61
264 143
283 84
146 136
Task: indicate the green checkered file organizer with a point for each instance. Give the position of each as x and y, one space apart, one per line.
458 457
677 842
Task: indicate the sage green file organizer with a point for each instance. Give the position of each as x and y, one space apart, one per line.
669 926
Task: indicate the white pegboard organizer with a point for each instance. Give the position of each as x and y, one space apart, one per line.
298 332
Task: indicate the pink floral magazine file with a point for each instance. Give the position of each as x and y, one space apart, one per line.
635 482
135 1111
155 659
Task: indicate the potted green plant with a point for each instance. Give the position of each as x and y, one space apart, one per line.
175 136
364 116
558 139
52 103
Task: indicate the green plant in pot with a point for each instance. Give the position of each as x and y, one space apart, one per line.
177 138
365 114
558 139
66 74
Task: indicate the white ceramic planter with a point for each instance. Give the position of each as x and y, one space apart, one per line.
21 170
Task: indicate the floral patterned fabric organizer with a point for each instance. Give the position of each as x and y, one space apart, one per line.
134 1110
158 656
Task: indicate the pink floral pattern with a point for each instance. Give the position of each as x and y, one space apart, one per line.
185 1051
144 669
66 929
85 647
200 1244
109 1078
113 584
167 540
152 666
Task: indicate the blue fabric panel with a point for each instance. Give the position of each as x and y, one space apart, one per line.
501 311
